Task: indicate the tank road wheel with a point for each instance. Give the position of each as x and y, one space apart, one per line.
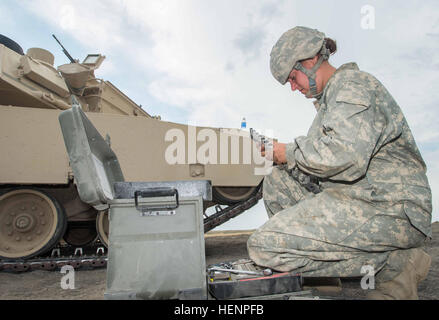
31 223
232 195
80 233
103 227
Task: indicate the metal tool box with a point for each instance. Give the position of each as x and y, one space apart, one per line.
156 236
244 279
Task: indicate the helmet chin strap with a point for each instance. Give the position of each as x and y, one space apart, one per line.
311 73
312 92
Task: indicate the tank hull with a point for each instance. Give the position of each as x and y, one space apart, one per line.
34 153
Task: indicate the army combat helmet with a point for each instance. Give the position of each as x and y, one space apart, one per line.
295 45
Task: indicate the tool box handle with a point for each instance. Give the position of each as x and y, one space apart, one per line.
154 193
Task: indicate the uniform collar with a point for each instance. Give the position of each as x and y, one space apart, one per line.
346 66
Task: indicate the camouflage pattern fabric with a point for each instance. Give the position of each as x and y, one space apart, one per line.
375 196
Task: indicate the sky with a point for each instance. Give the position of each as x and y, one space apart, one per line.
207 62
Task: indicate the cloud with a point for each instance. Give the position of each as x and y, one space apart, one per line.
186 49
250 42
6 17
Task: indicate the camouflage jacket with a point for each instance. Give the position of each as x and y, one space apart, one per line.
360 141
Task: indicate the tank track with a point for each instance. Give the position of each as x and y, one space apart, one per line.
223 215
95 255
91 256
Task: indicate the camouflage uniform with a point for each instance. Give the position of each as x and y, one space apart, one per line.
375 196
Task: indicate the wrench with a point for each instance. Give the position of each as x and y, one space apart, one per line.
265 272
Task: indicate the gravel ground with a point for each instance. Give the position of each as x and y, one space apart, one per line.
225 246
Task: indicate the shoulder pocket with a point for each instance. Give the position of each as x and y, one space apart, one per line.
354 93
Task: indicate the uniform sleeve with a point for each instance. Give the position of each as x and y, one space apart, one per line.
341 145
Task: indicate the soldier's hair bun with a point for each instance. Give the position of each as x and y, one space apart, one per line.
331 45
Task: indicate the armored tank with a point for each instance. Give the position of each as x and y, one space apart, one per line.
39 204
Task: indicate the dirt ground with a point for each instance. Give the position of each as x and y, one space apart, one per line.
220 247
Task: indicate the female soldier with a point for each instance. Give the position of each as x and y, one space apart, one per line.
374 205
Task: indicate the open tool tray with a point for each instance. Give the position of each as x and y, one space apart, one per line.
244 279
255 286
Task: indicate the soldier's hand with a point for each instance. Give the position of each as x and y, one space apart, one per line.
277 155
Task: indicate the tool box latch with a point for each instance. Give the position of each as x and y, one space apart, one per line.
156 210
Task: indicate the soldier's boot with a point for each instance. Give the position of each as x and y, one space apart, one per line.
405 285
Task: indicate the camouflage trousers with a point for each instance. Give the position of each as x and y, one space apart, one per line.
330 234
